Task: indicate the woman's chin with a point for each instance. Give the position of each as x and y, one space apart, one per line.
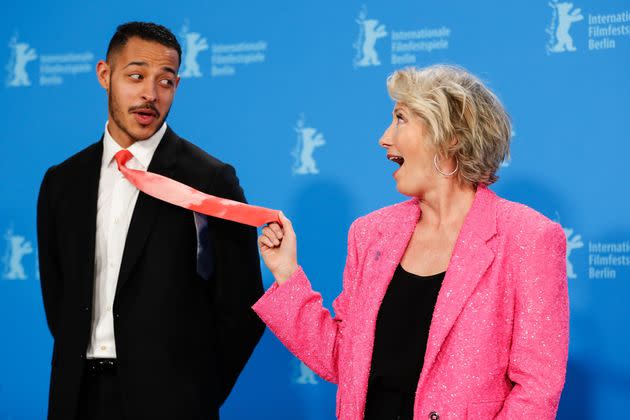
404 191
409 190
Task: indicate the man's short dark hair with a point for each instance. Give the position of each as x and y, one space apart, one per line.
144 30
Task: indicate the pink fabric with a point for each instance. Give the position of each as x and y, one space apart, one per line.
498 340
174 192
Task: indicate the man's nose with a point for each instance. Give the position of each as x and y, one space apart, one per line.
149 92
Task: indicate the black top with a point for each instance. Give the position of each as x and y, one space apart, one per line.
402 331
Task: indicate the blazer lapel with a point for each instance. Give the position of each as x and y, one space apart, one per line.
395 234
394 230
471 258
85 224
384 255
147 208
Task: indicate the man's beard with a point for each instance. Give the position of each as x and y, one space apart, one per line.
115 110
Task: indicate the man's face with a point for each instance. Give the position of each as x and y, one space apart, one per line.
141 80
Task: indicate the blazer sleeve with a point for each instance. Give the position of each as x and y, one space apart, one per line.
238 284
49 271
295 314
540 339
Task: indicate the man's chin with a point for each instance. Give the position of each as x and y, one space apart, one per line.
144 132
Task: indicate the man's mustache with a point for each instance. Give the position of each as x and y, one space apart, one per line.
148 106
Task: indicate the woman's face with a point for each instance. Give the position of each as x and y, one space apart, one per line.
408 144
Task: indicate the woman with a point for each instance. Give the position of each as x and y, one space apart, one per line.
454 303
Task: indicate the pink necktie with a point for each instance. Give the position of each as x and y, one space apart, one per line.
182 195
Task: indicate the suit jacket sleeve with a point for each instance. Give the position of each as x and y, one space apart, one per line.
540 339
49 271
295 314
238 284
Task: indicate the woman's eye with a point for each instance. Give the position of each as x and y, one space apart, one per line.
399 119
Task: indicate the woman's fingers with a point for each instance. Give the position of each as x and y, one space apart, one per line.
271 234
287 226
264 240
277 230
285 222
278 248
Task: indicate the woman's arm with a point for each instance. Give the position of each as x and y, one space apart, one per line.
294 312
538 356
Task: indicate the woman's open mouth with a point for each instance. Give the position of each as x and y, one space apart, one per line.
397 159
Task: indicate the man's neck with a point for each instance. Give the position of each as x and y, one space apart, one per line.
119 136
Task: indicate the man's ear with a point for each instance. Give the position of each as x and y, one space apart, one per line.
103 73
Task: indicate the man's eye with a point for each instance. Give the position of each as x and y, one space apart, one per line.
135 76
167 82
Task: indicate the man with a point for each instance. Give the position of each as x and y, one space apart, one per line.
148 303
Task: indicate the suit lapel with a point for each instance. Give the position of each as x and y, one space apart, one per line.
85 223
470 260
147 208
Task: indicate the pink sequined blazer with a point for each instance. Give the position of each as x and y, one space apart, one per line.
498 340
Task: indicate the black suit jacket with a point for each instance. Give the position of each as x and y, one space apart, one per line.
181 340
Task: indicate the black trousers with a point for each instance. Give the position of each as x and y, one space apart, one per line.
100 397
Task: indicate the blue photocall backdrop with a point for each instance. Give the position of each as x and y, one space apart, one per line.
293 95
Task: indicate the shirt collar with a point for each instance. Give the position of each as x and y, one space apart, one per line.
141 150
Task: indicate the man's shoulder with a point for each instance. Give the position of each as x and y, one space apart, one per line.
76 164
198 167
191 153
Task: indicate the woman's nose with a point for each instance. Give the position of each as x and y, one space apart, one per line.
386 138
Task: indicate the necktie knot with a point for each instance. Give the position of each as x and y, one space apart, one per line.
122 157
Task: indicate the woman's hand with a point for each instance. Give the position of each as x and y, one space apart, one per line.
278 248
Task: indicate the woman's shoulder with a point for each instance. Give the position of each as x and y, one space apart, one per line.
518 218
393 214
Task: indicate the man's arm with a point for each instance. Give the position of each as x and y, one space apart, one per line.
49 272
238 285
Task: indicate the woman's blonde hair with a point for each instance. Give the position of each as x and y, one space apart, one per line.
465 119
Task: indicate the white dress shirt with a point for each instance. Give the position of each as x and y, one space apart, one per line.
116 201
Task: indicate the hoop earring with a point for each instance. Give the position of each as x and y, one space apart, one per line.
437 168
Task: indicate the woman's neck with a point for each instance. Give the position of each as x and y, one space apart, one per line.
446 206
